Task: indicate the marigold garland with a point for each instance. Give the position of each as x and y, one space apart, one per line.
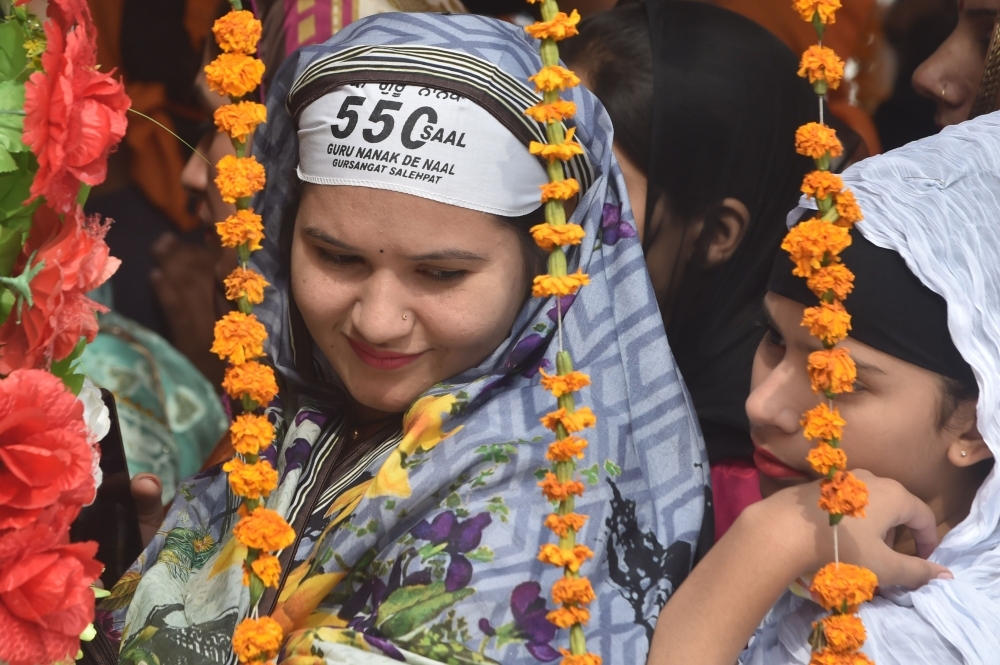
240 336
239 177
572 592
814 247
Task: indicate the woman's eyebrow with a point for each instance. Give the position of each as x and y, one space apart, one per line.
316 234
448 255
866 367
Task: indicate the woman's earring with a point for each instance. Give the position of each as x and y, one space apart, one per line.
943 88
964 453
404 318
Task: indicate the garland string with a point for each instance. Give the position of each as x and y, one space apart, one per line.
239 335
815 246
572 593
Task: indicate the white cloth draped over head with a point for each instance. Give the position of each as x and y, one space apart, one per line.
936 202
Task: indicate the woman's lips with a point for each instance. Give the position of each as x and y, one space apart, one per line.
385 360
772 467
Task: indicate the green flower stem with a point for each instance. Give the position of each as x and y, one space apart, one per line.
549 10
243 254
557 262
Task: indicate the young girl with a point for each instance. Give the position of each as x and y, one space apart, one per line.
923 421
400 191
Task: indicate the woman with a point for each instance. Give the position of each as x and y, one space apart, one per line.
705 104
954 76
923 420
388 282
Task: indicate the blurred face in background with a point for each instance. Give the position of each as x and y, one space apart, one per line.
951 76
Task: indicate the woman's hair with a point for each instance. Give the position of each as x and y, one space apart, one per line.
953 393
706 104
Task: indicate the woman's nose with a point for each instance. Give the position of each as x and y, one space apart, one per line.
380 314
934 77
194 176
777 400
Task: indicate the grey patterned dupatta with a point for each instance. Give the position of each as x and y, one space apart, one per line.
425 550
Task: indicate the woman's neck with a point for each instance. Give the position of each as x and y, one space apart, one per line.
368 421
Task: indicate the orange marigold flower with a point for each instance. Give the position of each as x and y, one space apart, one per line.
245 282
824 458
251 481
251 433
848 208
834 278
812 243
554 151
845 494
844 632
554 490
560 191
253 379
560 27
554 77
549 237
571 559
820 63
821 184
257 639
577 421
823 424
549 285
239 177
564 385
581 659
239 337
832 370
842 587
816 140
557 111
572 591
831 657
561 524
825 8
264 530
563 450
829 322
234 74
267 567
239 120
567 617
237 32
243 227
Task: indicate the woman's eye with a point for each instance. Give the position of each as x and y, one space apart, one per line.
445 275
338 259
773 337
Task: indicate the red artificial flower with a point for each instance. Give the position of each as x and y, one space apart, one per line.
74 115
68 12
45 455
76 260
46 602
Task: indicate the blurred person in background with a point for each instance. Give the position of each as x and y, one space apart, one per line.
955 75
705 104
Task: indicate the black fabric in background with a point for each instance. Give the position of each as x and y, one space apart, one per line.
726 104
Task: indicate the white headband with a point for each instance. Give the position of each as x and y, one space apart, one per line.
422 141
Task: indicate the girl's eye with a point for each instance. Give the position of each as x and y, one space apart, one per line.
342 260
445 275
773 337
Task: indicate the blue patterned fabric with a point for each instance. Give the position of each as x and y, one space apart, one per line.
425 549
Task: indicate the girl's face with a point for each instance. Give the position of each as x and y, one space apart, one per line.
401 292
892 415
952 74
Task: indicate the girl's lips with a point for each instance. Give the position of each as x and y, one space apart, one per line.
385 360
772 467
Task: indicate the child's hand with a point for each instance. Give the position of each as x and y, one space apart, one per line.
804 527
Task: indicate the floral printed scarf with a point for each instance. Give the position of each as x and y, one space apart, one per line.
422 545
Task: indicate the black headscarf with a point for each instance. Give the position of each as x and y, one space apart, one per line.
726 101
